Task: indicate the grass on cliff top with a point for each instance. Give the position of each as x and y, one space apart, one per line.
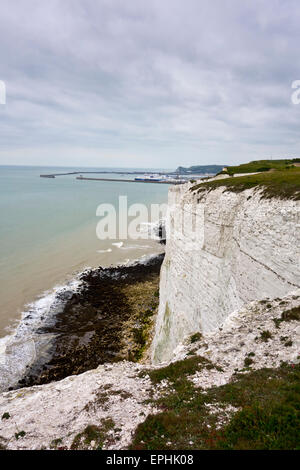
268 416
282 184
262 165
176 372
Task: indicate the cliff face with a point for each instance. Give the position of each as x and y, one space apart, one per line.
223 250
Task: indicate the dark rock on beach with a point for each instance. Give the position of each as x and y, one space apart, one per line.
106 320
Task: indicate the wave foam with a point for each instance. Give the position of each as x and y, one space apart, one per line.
118 245
20 349
152 229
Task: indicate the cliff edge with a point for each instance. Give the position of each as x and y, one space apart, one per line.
224 249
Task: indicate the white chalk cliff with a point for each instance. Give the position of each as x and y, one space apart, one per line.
224 250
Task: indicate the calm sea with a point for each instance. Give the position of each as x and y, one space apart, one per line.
48 232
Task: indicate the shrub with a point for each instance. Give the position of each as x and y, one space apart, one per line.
292 314
195 337
265 335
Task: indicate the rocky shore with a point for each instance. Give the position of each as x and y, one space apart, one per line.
108 319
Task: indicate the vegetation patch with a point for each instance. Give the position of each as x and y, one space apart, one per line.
288 315
265 335
100 400
248 361
262 166
142 299
176 372
20 434
268 418
277 322
93 434
2 443
280 183
122 393
5 416
195 337
292 314
192 352
56 443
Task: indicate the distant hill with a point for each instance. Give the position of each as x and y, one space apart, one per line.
200 169
251 167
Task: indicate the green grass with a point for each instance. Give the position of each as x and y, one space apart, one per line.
288 315
20 434
268 418
265 336
98 434
292 314
195 337
262 165
282 184
176 372
248 361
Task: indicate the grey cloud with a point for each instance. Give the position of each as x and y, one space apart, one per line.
149 83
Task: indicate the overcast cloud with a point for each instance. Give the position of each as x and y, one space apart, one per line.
153 83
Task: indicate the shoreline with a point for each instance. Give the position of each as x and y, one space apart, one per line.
37 276
90 321
64 240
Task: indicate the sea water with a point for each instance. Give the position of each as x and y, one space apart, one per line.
48 234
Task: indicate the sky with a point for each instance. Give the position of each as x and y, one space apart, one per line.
148 83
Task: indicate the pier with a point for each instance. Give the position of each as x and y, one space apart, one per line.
174 177
119 180
53 175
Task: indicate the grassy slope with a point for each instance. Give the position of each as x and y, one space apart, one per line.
268 416
262 165
283 184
